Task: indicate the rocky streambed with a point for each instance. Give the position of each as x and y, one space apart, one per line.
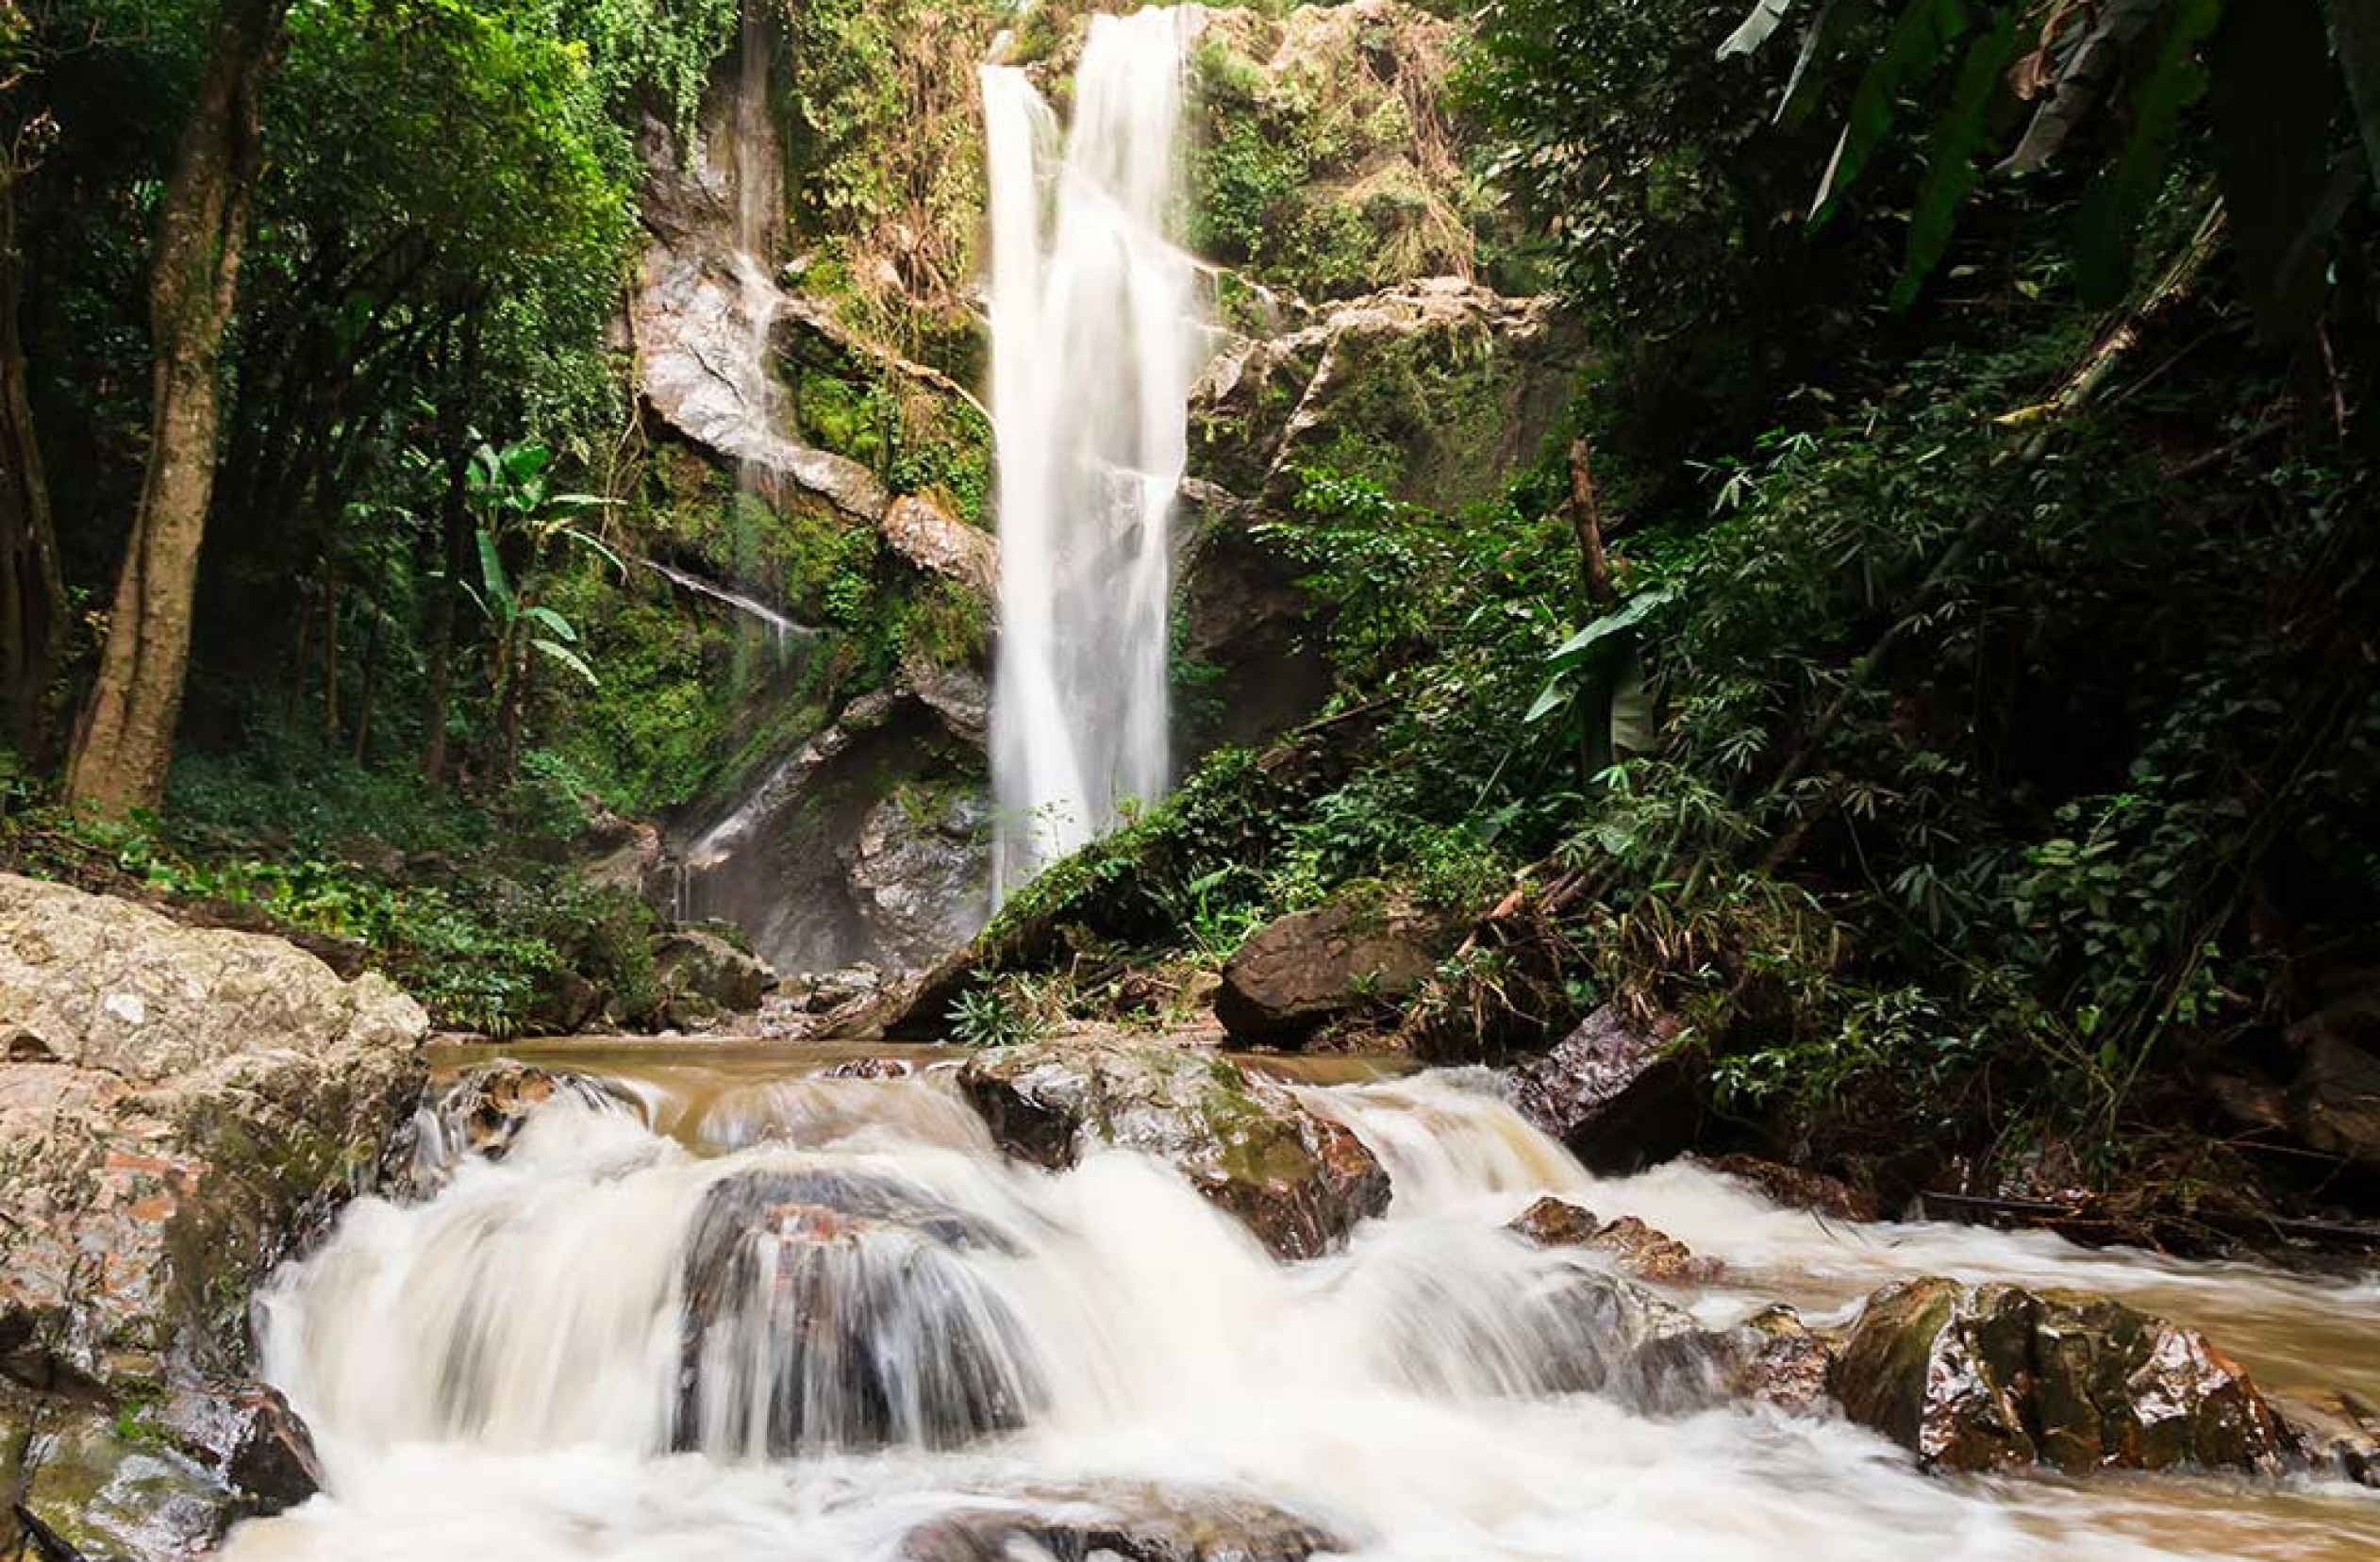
603 1300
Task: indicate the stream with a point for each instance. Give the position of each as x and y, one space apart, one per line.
507 1370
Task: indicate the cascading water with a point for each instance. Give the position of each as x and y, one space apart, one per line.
711 1310
1091 334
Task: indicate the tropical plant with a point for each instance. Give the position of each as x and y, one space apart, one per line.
2110 86
518 510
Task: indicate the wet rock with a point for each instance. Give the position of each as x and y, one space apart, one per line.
1651 1255
2339 1434
480 1113
697 964
1614 1092
1296 975
108 1484
836 1310
1980 1377
1635 1247
1556 1222
1299 1181
208 1096
1797 1188
918 871
1771 1358
247 1436
1130 1524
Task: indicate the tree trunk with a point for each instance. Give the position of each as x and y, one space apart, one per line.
371 681
1586 519
125 737
454 542
33 610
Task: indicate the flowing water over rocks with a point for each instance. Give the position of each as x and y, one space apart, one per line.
800 1302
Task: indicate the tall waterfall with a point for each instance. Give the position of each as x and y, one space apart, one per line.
1091 335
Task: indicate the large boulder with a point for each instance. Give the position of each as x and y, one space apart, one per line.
1619 1094
918 871
1298 1180
1352 955
181 1107
853 1296
694 962
1983 1377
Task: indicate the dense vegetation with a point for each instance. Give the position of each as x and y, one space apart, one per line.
1968 733
1932 660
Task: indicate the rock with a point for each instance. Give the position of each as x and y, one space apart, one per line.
1617 1095
2339 1433
1299 1181
918 872
249 1437
626 855
1556 1222
932 540
212 1092
1797 1188
1983 1377
2334 1102
692 962
198 1100
1637 1248
479 1114
1656 1255
1771 1358
1130 1524
1457 382
1346 958
853 1296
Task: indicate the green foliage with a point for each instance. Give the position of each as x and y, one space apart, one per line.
1000 1015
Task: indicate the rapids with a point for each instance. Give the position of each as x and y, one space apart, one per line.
540 1365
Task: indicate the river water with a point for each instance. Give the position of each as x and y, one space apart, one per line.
501 1371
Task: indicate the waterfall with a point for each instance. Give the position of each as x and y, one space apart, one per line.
1091 318
717 1304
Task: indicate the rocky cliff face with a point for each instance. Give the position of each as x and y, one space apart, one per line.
1352 332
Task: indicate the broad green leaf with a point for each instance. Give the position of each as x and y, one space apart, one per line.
1557 693
556 624
2120 197
1835 21
1767 16
1919 43
569 658
1580 646
1632 722
499 586
1952 173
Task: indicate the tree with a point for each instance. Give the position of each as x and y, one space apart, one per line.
33 608
124 739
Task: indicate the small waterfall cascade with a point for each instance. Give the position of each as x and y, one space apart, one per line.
691 1310
1092 335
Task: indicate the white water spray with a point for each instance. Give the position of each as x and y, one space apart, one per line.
1091 332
